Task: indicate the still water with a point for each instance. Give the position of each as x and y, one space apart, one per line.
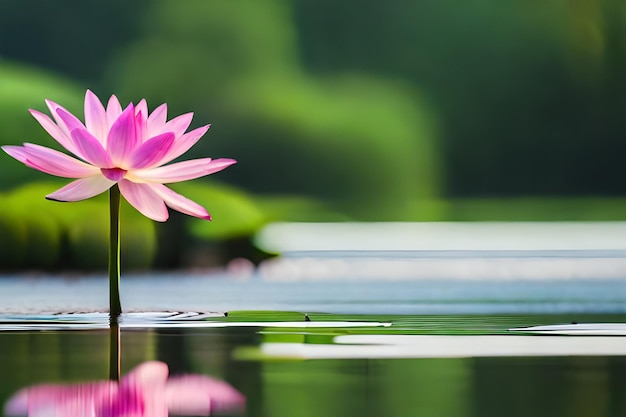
337 346
442 371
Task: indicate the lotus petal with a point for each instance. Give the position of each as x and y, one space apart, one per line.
55 131
184 143
114 109
156 120
151 152
179 203
141 127
90 149
17 152
193 395
179 124
183 171
66 120
144 199
142 107
57 163
96 117
82 189
122 139
55 110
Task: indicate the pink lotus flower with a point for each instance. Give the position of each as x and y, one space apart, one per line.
145 392
127 147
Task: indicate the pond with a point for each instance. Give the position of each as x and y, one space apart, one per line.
346 334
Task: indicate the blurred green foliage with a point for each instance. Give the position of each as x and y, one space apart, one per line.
236 213
525 98
410 111
364 159
42 234
23 88
522 209
529 95
68 37
359 143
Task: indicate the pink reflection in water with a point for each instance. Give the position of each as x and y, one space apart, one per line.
146 391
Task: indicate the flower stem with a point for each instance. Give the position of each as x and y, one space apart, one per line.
115 306
114 351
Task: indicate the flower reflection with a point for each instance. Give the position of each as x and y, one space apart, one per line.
145 392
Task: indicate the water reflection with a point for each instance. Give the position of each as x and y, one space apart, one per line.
145 391
420 365
394 346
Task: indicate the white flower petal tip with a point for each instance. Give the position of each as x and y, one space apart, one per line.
225 162
125 146
15 151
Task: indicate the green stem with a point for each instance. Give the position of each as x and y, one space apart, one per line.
115 306
114 351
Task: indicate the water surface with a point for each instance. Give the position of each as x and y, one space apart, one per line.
347 334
